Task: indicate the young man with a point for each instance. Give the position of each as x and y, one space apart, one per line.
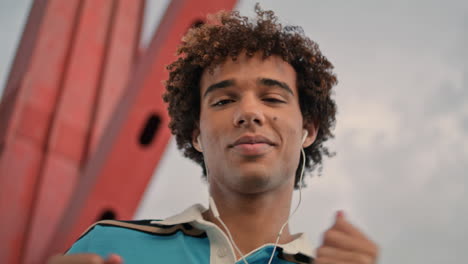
245 98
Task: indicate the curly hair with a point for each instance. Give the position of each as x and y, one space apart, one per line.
227 34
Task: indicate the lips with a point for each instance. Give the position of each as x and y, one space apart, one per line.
254 145
253 139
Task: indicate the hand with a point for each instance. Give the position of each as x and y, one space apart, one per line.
345 244
85 259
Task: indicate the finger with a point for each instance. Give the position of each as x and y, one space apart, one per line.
76 259
114 259
342 224
340 240
343 255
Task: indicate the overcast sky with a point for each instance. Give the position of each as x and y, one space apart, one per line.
402 127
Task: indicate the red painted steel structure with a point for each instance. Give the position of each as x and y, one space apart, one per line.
77 141
102 56
31 99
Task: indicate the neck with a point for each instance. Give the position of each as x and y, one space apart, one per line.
254 219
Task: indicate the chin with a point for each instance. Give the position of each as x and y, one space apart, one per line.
254 181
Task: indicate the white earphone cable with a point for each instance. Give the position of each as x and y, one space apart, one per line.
295 210
216 215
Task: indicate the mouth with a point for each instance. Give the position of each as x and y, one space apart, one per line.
252 145
252 140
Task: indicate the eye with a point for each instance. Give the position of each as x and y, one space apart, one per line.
222 102
273 100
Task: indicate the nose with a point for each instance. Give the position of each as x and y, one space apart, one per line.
249 112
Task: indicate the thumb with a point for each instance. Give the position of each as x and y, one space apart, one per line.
114 259
339 216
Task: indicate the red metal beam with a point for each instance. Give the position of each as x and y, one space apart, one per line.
123 51
69 73
28 106
88 74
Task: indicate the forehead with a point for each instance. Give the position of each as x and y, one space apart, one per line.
246 69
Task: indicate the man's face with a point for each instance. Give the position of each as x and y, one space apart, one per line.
251 125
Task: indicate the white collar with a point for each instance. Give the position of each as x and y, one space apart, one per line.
194 214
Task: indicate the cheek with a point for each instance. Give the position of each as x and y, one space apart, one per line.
291 134
288 128
213 131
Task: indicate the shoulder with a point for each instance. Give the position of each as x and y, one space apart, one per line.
152 227
113 234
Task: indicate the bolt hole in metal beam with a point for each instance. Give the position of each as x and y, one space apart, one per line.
197 23
107 214
149 130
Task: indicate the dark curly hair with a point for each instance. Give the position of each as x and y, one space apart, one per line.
227 34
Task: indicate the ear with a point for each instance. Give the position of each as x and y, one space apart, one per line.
195 143
312 129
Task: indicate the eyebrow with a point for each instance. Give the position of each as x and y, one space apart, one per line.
219 85
272 82
263 81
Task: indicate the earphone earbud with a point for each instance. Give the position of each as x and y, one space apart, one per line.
304 136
